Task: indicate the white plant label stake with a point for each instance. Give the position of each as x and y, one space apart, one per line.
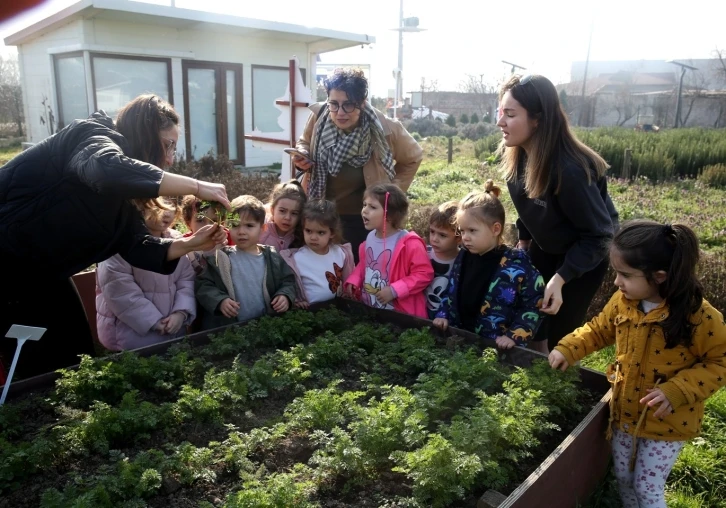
21 333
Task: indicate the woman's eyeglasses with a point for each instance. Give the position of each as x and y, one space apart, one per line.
347 106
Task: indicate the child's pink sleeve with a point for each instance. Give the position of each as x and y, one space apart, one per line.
420 272
357 277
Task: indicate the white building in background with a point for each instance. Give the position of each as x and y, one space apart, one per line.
221 72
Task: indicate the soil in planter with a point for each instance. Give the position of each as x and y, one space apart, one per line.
185 428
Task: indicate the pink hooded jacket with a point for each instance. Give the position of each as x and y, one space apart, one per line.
130 301
410 274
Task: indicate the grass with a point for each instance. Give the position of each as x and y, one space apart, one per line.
9 152
698 478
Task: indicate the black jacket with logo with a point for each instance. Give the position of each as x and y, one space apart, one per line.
579 221
65 203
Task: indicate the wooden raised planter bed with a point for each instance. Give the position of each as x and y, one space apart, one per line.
564 479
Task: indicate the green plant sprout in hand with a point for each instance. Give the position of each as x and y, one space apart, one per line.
224 218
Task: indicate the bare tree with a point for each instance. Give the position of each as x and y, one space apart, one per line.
431 85
11 95
476 84
720 55
696 87
624 101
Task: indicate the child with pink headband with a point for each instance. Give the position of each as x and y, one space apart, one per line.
393 269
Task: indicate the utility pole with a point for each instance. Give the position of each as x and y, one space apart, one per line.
514 66
684 67
399 77
404 25
584 76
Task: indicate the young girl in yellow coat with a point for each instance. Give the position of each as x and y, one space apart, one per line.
670 347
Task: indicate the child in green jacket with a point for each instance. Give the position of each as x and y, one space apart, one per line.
246 280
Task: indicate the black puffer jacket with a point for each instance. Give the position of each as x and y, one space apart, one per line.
64 203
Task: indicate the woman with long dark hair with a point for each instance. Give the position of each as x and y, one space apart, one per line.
75 199
559 188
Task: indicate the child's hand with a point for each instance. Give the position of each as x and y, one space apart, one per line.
349 291
385 295
504 342
280 303
229 308
558 361
159 327
442 323
301 304
173 322
656 396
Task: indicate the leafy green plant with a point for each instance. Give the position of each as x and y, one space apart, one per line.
108 380
125 481
453 382
238 447
104 427
440 473
277 491
322 409
560 390
501 430
714 176
338 454
394 422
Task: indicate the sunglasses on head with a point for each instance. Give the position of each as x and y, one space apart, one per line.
525 79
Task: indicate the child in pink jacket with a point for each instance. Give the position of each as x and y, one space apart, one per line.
394 268
137 308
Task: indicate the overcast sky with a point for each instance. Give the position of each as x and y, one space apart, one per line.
473 36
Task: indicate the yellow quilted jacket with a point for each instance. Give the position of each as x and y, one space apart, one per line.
688 375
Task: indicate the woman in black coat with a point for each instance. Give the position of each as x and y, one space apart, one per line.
558 186
75 199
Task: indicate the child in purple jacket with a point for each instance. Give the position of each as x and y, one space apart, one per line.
137 308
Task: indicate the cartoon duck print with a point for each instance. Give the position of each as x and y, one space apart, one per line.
376 276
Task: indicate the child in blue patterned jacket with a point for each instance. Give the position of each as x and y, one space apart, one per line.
493 290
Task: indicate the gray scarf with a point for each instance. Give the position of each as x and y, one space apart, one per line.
333 148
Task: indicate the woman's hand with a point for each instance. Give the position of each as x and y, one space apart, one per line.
441 323
173 322
207 237
209 191
656 396
302 163
280 303
558 361
301 304
553 295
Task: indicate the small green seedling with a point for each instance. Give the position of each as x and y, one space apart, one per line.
225 219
